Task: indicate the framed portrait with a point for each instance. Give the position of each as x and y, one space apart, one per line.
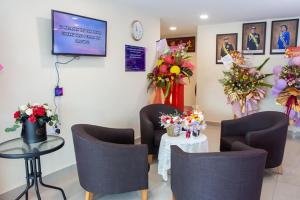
225 43
254 38
284 34
189 41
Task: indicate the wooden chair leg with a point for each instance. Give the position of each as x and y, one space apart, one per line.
279 170
144 194
173 197
150 158
88 196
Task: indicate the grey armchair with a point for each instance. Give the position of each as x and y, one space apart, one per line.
217 176
108 162
151 130
263 130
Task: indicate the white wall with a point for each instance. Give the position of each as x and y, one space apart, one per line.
97 90
189 88
210 95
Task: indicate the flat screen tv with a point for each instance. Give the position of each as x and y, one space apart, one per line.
78 35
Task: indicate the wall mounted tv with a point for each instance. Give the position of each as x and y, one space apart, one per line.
78 35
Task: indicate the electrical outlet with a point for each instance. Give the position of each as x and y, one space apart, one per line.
58 91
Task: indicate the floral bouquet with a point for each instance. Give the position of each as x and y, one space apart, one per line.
36 113
244 86
193 123
171 122
171 67
287 85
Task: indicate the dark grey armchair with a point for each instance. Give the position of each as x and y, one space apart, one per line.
264 130
217 176
108 162
151 130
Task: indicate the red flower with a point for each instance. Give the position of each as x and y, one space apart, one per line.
40 111
32 119
17 114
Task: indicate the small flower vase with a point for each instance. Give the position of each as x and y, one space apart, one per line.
33 132
195 132
173 131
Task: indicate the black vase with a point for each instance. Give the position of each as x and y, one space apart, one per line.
33 132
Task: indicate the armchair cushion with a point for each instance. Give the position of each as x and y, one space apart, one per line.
226 142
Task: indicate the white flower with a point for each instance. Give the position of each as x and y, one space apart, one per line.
29 111
23 107
46 106
49 113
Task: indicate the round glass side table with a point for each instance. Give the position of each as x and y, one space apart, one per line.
16 149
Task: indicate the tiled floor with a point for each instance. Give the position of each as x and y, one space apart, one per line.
275 187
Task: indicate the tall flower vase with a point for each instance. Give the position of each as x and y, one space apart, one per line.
33 132
178 96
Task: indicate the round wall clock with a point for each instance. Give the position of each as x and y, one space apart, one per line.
137 30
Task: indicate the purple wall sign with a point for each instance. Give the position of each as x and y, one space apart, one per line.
135 58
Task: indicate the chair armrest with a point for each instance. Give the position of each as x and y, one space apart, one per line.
270 135
234 127
113 135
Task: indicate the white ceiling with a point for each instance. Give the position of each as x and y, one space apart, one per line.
184 14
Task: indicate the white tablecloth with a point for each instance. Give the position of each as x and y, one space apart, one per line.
191 145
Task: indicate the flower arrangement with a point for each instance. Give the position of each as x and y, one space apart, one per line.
194 122
40 113
244 86
287 85
190 122
171 122
171 67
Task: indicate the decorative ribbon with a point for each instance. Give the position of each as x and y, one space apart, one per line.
225 49
289 98
282 40
245 104
254 39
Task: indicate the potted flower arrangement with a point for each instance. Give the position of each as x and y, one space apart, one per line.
244 86
172 123
193 123
169 72
33 119
287 85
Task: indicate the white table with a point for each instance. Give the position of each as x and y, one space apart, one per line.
191 145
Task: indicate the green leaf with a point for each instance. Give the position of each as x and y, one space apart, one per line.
167 89
149 86
263 64
265 85
8 130
186 71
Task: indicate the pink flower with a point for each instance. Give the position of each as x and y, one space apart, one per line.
169 59
188 64
1 67
163 69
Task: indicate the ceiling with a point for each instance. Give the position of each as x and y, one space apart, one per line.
184 14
